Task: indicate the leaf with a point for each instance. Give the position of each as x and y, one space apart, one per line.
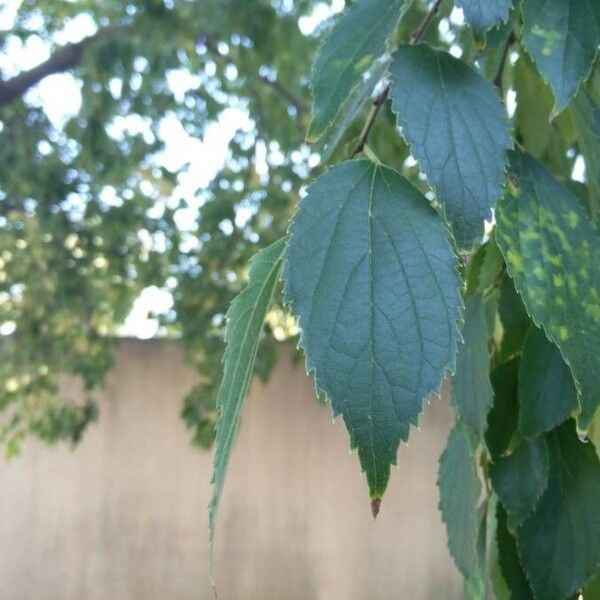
511 568
502 419
558 543
514 318
594 432
245 321
521 478
353 45
483 14
458 131
547 394
552 253
472 393
372 277
562 37
460 489
586 115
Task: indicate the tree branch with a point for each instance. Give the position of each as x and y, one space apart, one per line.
63 59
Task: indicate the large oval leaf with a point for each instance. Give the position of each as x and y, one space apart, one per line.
562 37
353 45
458 131
552 253
372 277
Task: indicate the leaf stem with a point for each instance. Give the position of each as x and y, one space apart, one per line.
499 76
380 100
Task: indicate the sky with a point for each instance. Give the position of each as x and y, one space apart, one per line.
61 99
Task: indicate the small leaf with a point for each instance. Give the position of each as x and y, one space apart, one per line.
521 478
502 419
547 394
511 568
558 543
245 321
514 318
483 14
353 45
562 37
460 489
472 393
458 131
371 274
552 253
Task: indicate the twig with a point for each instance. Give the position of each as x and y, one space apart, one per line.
380 100
498 79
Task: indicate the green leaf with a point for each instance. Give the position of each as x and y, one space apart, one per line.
558 543
371 274
521 478
502 419
562 37
458 131
245 321
592 589
483 14
353 45
586 115
514 318
552 253
472 393
547 394
511 568
460 489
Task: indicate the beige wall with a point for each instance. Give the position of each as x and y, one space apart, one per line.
123 517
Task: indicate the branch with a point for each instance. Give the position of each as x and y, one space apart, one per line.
64 59
379 101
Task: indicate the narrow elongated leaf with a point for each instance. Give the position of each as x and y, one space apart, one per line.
371 275
547 394
356 41
586 114
482 14
245 321
558 543
521 478
502 419
514 318
508 556
552 253
472 393
562 37
460 489
458 131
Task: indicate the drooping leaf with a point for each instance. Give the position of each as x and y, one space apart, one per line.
547 394
460 488
558 543
510 565
502 419
514 318
496 40
245 321
458 131
521 478
591 591
552 253
586 115
483 14
371 275
562 37
353 45
472 393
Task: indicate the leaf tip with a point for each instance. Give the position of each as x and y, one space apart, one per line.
375 506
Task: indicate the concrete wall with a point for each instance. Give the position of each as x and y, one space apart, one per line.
123 517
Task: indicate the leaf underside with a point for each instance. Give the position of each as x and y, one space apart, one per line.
371 274
352 46
458 131
483 14
558 543
245 321
562 37
552 253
